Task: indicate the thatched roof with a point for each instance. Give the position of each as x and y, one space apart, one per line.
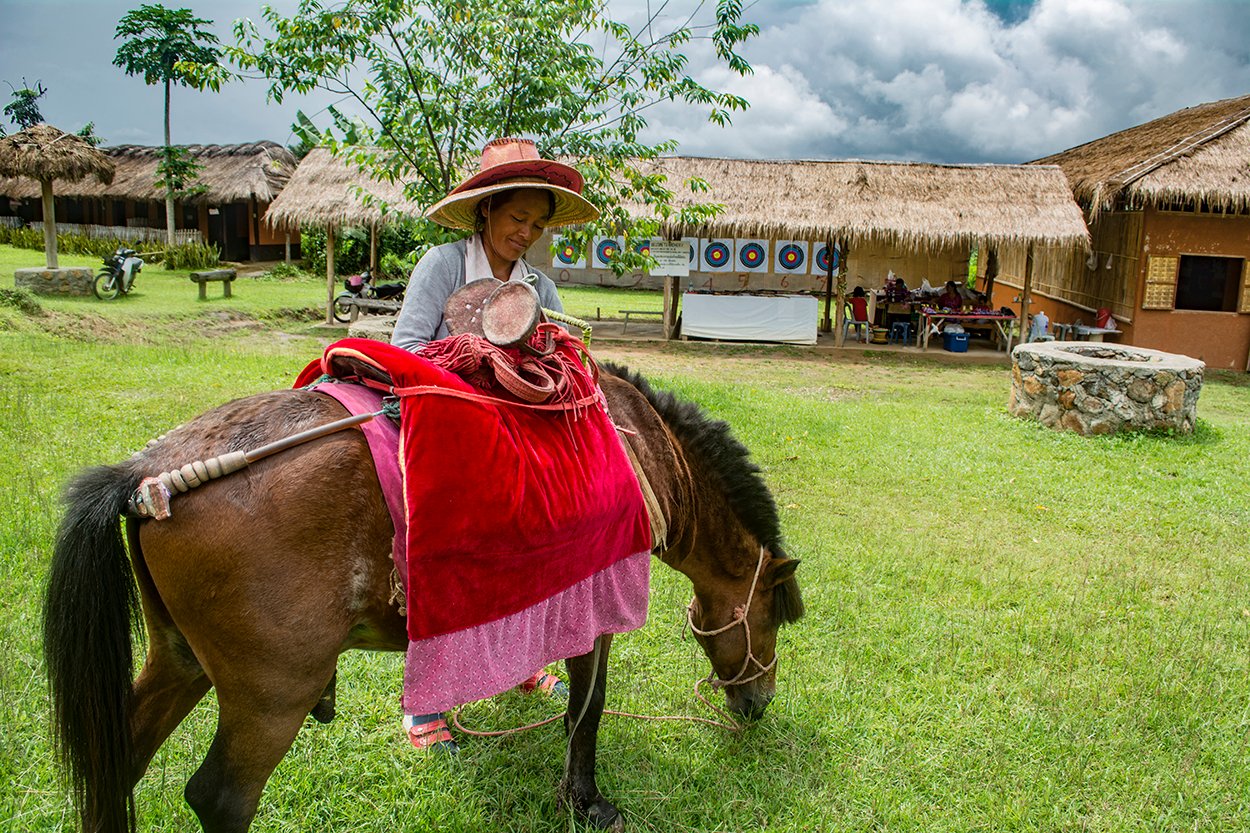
232 173
325 191
1199 154
905 204
44 152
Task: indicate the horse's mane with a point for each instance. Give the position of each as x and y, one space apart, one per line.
711 442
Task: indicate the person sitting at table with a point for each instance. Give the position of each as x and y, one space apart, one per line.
950 297
857 307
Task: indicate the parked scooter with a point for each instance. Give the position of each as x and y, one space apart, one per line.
362 286
118 274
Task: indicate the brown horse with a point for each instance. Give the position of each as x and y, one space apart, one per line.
260 580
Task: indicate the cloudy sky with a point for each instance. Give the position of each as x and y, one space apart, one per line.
924 80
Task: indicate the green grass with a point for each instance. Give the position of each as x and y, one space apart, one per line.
1008 628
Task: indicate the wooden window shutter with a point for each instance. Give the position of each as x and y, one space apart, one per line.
1161 283
1244 304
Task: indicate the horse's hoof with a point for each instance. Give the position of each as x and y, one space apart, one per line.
598 813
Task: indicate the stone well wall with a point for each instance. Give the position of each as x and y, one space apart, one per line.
71 280
1096 388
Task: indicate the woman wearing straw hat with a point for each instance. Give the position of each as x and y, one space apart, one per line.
507 204
513 197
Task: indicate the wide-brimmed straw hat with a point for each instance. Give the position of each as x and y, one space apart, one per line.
514 163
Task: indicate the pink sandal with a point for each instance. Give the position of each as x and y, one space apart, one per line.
430 732
548 684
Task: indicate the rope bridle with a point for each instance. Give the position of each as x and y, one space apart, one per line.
741 612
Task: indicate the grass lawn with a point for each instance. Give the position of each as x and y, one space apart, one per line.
168 294
1008 628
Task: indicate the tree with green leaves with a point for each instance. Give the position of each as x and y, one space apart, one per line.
23 110
434 80
170 46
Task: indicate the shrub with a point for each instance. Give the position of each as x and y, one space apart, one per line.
190 256
21 299
285 272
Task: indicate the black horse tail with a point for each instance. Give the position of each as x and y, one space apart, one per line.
90 609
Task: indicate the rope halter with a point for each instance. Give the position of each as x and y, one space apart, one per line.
740 618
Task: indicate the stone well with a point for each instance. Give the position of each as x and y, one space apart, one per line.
1094 388
71 280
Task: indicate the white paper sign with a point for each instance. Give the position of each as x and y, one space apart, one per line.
672 257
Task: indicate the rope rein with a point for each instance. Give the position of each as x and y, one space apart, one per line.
740 618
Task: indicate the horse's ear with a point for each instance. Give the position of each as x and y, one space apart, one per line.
779 571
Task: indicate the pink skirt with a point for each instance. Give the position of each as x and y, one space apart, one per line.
445 671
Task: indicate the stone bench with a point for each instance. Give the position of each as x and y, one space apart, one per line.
224 276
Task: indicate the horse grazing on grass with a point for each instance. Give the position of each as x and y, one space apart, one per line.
256 587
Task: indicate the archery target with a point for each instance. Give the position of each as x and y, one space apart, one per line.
791 256
820 263
642 247
605 249
693 243
752 255
717 255
567 256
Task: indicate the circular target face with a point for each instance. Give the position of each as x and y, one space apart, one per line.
752 255
791 256
823 260
567 254
606 250
643 248
716 254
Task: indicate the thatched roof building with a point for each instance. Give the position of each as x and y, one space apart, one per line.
232 173
45 152
908 205
1196 157
325 192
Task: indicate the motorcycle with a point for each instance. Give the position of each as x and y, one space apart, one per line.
118 274
362 286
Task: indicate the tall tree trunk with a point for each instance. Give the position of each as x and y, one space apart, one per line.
169 186
49 223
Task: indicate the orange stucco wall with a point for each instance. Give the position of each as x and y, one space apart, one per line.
1221 339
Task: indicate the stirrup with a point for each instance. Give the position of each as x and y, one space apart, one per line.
432 735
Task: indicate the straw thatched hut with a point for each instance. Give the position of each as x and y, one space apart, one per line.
44 154
328 192
919 221
239 182
1169 209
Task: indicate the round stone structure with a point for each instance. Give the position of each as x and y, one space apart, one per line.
1095 388
67 280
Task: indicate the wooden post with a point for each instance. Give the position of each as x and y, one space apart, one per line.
839 317
1024 295
991 272
288 247
329 274
49 223
826 324
670 313
373 250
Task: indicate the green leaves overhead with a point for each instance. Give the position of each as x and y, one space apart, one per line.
436 79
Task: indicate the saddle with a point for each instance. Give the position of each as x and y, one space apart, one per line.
500 343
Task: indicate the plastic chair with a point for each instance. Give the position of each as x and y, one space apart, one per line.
847 322
900 333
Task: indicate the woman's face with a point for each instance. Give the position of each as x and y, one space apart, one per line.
515 220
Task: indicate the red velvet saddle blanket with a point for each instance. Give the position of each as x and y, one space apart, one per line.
507 503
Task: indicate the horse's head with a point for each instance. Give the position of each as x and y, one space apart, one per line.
735 616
